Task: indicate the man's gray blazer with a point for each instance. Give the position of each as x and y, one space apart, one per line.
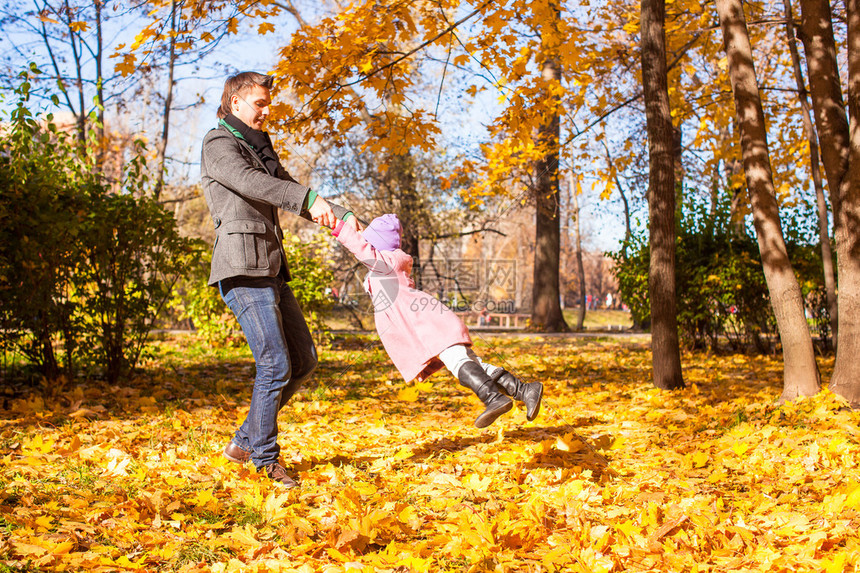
244 200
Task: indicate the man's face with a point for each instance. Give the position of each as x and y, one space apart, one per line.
252 106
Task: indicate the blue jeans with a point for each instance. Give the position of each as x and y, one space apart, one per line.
284 354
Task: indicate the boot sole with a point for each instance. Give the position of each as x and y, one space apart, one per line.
488 418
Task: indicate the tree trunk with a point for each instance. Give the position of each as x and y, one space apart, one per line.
816 32
547 315
577 235
628 229
812 136
168 102
400 180
846 372
678 171
837 143
800 371
665 350
77 55
100 96
43 33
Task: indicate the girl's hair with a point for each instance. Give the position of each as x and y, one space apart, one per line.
239 84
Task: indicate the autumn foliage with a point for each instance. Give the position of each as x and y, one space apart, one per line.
614 475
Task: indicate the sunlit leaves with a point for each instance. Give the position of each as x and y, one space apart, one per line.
393 475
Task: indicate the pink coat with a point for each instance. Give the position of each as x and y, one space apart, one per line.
414 326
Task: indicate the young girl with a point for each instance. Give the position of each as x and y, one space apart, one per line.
420 334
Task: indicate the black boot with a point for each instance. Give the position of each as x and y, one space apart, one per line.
530 393
473 377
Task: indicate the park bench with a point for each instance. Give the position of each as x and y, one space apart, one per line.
495 320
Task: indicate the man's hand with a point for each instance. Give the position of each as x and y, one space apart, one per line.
322 214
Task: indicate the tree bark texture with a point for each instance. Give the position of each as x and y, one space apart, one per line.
799 369
168 102
77 57
816 32
628 229
577 236
839 154
846 372
400 178
547 315
665 349
821 204
100 96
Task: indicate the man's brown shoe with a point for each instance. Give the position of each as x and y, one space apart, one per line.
236 454
276 472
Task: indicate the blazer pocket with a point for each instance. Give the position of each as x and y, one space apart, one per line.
246 244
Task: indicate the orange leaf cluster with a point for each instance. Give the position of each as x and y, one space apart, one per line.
613 476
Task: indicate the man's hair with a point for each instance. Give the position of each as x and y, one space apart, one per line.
240 83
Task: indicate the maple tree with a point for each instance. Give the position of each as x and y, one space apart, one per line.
614 475
330 87
546 307
801 372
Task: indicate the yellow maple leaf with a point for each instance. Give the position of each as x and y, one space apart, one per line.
27 549
853 499
44 522
203 497
63 548
38 446
127 563
412 393
127 65
477 483
740 448
408 394
273 509
836 565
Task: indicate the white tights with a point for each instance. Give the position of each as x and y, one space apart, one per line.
455 356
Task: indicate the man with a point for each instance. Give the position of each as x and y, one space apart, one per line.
245 185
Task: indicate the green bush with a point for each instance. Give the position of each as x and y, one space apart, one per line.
720 286
631 271
312 278
84 268
41 215
134 255
202 304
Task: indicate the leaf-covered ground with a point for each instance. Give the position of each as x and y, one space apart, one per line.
395 478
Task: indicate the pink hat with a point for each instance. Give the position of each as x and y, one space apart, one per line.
383 233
